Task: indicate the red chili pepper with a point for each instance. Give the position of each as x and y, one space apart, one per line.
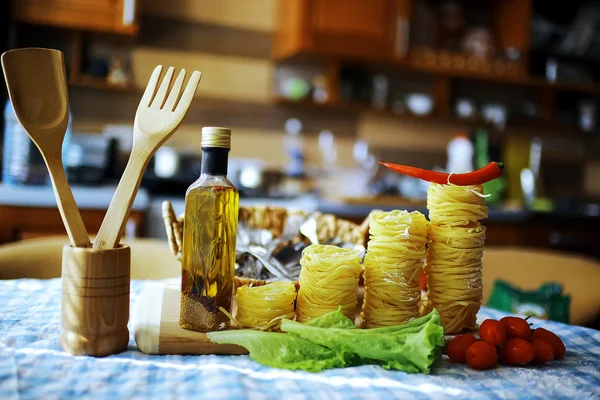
491 171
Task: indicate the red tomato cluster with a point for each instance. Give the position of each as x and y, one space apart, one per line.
510 340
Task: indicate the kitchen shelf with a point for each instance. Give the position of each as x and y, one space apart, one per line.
590 88
447 69
357 108
491 77
425 59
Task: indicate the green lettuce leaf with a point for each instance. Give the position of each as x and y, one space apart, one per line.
280 350
333 341
334 319
411 347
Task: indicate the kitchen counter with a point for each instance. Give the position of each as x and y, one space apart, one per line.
495 214
87 197
31 211
361 211
98 198
563 230
311 203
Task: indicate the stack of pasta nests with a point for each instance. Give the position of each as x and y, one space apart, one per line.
328 280
455 250
392 267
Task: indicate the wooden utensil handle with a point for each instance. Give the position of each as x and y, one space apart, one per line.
120 206
67 206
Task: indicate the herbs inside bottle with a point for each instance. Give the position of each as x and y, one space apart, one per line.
210 228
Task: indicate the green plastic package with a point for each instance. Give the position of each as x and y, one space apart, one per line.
547 302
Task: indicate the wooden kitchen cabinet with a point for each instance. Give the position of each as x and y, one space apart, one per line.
374 29
20 223
113 16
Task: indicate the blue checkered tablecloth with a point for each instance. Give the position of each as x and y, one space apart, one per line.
32 365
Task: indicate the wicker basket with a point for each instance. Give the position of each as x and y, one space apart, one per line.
273 219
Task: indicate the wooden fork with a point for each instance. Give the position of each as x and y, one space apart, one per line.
156 119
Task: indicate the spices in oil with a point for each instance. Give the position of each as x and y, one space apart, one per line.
209 233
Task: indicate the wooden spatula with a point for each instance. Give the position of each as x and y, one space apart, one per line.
37 88
158 116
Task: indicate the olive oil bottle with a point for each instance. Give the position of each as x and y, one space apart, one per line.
209 233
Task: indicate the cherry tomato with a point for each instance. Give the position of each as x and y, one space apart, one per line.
516 351
423 281
544 352
481 355
493 332
516 327
458 346
555 342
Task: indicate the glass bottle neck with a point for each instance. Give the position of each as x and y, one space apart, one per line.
214 161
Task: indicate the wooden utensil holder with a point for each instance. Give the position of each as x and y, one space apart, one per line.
95 300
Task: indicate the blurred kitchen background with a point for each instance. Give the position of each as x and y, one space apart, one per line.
316 93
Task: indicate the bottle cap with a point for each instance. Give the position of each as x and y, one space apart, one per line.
216 137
